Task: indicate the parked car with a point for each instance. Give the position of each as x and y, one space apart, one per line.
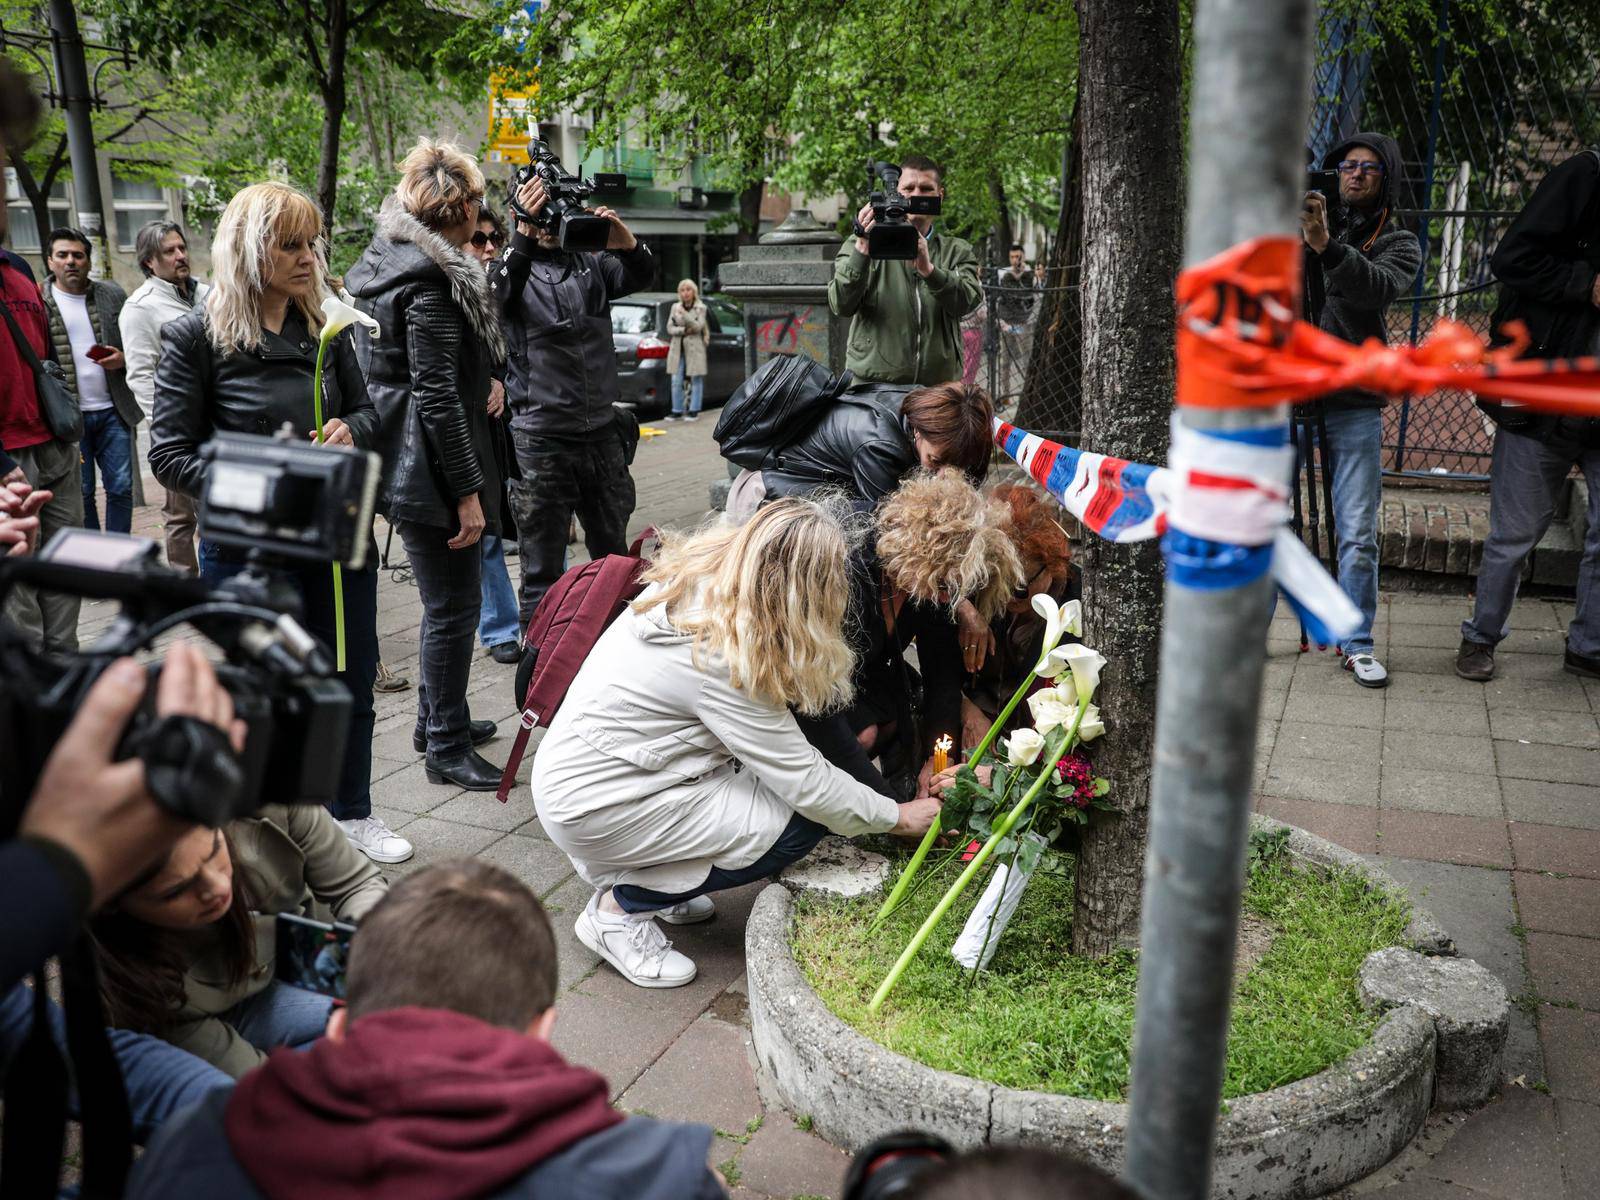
639 332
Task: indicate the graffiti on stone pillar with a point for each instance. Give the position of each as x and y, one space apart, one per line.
796 331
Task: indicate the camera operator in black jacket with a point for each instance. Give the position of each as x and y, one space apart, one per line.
1548 265
573 443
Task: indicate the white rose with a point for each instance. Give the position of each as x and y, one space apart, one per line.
1092 726
1052 708
1024 747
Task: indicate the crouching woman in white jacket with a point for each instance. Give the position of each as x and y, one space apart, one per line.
675 768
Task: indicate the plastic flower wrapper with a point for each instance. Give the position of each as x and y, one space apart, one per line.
979 938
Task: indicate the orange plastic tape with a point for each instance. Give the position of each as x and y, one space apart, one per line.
1241 345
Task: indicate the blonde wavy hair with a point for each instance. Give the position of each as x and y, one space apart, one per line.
768 598
937 533
439 184
258 217
693 287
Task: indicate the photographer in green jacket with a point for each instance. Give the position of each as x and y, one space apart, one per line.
906 315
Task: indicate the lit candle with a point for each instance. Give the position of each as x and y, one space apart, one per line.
941 754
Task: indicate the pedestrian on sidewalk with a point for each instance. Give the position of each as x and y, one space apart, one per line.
169 291
498 629
244 363
1358 262
429 374
84 316
1548 265
690 334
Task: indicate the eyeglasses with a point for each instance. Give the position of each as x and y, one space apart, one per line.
1350 167
482 239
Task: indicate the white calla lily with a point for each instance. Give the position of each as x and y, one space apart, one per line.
1072 618
1052 664
1024 747
1058 620
1086 665
1052 708
340 312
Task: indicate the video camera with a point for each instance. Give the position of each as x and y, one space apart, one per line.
892 235
279 499
564 215
896 1165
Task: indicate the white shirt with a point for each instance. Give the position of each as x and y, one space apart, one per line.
94 393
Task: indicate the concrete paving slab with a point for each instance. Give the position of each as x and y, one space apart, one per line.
1302 740
1579 1124
1441 791
1349 782
1546 727
1355 828
437 840
485 811
1361 708
1557 691
1558 905
1433 637
1459 753
1550 764
1467 841
1565 968
1437 688
617 1040
1553 848
1509 1150
1422 660
781 1160
1470 719
574 960
534 861
1571 1039
408 789
703 1076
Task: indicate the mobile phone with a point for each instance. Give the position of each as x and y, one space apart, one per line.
98 352
312 954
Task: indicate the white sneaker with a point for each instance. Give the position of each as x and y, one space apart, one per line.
690 912
635 946
1368 671
376 840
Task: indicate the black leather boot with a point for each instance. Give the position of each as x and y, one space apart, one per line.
469 770
481 732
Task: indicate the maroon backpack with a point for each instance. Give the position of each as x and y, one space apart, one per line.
564 627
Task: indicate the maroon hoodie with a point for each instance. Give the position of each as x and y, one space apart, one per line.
413 1104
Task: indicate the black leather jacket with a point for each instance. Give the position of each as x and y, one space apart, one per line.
860 444
428 372
561 374
200 392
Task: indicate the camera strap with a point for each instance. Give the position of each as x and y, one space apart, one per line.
36 1093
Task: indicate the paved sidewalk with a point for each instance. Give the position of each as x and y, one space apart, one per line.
1484 799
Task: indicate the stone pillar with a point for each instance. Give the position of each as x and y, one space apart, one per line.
783 284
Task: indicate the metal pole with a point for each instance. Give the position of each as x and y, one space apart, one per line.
1251 97
72 74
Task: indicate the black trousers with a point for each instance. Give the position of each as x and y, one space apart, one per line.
560 477
448 581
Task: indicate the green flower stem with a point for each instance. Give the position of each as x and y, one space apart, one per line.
898 894
1053 751
338 576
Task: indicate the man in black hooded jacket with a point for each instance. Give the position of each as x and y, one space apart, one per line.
1548 265
1360 261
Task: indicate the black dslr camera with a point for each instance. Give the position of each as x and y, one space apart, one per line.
1326 183
896 1166
281 500
564 215
892 234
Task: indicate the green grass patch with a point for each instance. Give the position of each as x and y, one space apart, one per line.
1040 1018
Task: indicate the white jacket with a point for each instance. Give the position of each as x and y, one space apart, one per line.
655 769
152 304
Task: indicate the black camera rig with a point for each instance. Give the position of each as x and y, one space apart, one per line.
892 235
564 215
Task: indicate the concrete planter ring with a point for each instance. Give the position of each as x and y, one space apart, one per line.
1438 1045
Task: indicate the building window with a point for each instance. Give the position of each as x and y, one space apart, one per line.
135 202
25 232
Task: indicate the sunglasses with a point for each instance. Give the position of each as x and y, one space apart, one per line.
482 239
1351 167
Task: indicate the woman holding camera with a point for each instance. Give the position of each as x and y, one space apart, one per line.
187 953
244 363
429 374
690 331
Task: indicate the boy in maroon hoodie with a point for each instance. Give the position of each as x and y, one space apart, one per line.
437 1082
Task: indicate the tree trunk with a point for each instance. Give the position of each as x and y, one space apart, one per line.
1052 396
37 191
1003 236
1130 87
333 106
364 99
750 212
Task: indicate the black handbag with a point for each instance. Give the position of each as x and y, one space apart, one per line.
57 405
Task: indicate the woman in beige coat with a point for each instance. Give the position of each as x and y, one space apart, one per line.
690 332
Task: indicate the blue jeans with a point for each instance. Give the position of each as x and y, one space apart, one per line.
796 841
497 617
1355 436
281 1015
107 441
160 1079
314 582
697 388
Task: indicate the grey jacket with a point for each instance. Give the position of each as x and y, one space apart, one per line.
105 307
150 306
1366 267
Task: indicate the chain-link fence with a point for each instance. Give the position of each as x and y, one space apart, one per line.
1024 345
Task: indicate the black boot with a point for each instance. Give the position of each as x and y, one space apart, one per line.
469 770
481 732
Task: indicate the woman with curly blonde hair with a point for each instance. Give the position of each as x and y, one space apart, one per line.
675 767
939 544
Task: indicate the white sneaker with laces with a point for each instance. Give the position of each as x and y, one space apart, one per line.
1368 671
635 946
376 840
691 912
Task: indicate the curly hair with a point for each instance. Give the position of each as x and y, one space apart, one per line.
1034 530
768 598
937 532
